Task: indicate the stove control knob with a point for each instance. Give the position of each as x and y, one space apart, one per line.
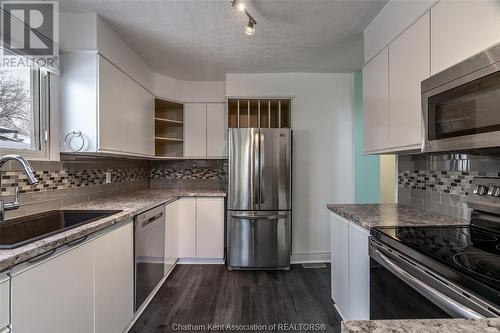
481 190
496 192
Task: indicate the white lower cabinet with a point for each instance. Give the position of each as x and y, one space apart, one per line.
57 295
350 269
187 228
114 280
359 273
339 232
171 235
210 228
87 288
201 228
4 302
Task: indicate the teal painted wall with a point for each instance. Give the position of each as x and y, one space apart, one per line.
366 167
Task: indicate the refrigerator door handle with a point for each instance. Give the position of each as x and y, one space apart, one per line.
262 182
259 217
256 168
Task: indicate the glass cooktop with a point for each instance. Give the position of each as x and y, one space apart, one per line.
467 255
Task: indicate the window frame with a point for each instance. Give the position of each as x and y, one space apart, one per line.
41 106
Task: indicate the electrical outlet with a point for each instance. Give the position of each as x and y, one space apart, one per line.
108 177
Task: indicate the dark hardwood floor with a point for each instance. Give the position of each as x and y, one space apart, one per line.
210 294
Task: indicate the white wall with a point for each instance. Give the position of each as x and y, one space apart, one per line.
323 148
189 91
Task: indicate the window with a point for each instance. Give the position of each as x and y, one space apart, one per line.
24 111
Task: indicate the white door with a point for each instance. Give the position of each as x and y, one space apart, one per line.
210 228
359 273
114 280
339 238
112 107
408 65
57 295
461 29
216 130
187 228
195 130
376 102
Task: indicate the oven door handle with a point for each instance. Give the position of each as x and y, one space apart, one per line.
452 307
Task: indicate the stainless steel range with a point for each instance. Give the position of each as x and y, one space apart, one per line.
450 271
259 199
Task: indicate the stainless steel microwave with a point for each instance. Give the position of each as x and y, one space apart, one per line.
461 105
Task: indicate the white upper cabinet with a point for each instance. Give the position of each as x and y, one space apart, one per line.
408 66
376 102
205 130
195 130
461 29
112 107
139 120
93 88
420 40
126 113
216 130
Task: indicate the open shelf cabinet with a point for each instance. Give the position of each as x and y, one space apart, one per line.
169 128
260 113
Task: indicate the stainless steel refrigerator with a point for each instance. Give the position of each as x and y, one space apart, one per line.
259 199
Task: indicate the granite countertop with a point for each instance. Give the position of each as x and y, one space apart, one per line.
132 204
422 326
377 215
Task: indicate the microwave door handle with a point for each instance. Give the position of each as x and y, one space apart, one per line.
444 302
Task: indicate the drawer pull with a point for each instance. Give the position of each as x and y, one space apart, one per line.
42 256
77 241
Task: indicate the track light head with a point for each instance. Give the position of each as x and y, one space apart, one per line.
250 28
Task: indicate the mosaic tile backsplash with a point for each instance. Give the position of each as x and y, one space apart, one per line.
442 182
65 179
203 174
80 179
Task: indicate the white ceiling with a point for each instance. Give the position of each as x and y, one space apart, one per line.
204 39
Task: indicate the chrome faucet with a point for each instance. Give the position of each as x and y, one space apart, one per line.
30 173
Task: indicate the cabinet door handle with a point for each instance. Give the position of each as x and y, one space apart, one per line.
77 241
42 256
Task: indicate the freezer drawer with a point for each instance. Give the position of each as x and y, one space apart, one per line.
259 240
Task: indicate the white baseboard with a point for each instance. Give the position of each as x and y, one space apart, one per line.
310 257
200 261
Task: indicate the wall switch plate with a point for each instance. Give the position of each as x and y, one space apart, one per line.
108 177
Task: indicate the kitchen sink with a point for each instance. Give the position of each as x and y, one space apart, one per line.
23 230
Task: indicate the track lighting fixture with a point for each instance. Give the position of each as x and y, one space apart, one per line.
238 5
250 27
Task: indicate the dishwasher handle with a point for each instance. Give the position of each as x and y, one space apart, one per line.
451 306
152 219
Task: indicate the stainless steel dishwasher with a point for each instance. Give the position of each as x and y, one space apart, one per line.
149 252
